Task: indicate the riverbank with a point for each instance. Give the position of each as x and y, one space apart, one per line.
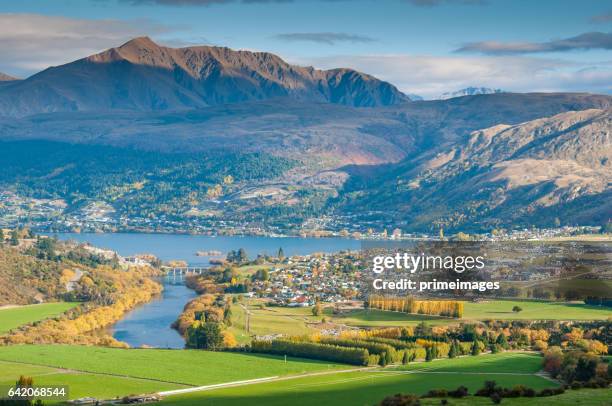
76 325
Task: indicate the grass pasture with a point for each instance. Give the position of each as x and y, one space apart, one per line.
186 367
81 384
12 317
507 362
271 320
370 386
532 310
382 318
493 309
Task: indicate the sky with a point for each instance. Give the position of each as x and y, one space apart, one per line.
424 47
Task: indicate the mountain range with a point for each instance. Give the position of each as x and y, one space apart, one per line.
469 91
339 142
141 75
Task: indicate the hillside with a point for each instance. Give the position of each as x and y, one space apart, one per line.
535 172
25 279
141 75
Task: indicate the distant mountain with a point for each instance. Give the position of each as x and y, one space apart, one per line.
506 175
6 78
414 97
141 75
469 91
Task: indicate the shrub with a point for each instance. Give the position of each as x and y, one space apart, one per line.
400 400
496 398
460 392
436 393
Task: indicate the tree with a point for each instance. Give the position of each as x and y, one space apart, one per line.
586 367
502 341
24 382
452 353
517 309
281 254
206 336
317 309
429 354
227 315
14 237
475 348
405 358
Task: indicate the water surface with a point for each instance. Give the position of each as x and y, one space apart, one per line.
149 324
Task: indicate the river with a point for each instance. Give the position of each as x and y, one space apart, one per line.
149 324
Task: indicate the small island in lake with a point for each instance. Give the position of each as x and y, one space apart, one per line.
211 253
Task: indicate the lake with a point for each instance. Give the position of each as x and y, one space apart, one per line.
184 247
149 324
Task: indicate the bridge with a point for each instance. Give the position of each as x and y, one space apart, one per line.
184 270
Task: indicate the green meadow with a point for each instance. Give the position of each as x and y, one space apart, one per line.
186 367
381 318
370 386
494 309
81 384
532 310
13 317
270 320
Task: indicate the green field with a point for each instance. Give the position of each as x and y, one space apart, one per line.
495 309
502 309
507 362
271 320
381 318
108 373
81 384
369 387
17 316
583 397
187 367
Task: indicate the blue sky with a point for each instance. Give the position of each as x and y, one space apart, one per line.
422 46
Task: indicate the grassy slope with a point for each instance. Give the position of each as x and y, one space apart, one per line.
583 397
17 316
367 388
502 309
80 384
190 367
507 362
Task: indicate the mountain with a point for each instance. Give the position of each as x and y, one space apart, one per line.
322 135
141 75
557 167
469 91
6 78
414 97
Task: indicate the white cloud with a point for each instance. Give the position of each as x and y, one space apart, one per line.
429 76
31 42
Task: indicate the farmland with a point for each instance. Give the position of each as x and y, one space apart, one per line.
369 387
81 384
299 320
187 367
13 317
532 310
270 320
